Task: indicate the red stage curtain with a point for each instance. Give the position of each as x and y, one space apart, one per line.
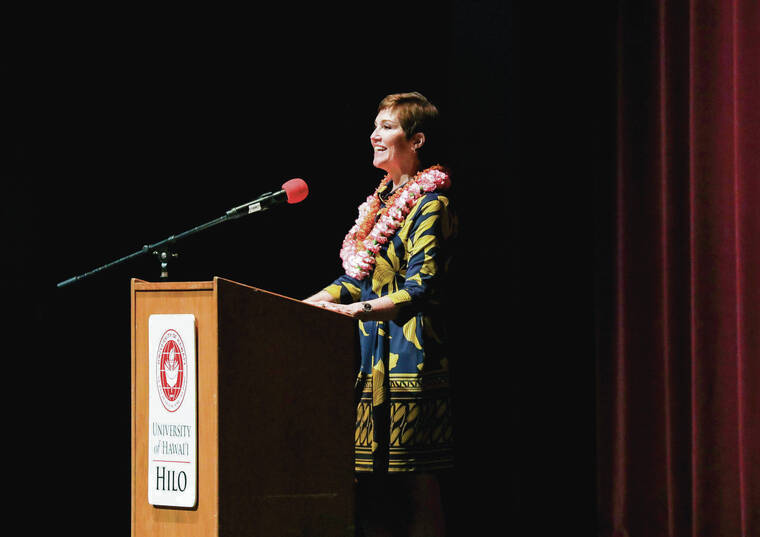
678 397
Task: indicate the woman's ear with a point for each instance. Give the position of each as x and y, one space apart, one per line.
418 140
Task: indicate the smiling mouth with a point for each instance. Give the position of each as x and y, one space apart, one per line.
378 148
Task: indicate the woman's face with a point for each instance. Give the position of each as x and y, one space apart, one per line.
393 152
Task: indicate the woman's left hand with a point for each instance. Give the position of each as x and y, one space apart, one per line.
353 310
382 309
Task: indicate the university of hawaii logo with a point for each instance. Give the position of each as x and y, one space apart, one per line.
171 370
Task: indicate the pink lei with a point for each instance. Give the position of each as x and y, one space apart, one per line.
362 242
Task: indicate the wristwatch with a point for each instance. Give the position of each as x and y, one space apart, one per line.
366 307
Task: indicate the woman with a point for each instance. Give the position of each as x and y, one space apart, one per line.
395 257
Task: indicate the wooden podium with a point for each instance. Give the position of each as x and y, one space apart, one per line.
275 413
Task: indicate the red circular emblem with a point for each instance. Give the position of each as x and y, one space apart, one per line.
171 370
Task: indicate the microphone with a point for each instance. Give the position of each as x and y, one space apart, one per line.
293 191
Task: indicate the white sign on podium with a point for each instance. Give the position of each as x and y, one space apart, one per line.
172 411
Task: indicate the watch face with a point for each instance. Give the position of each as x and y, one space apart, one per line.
367 306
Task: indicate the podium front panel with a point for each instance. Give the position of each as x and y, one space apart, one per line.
198 299
275 413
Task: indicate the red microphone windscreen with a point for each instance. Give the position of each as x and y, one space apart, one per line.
296 190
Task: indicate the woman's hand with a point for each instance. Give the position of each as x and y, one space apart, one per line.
325 300
318 298
380 309
354 310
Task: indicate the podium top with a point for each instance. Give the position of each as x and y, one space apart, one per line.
142 286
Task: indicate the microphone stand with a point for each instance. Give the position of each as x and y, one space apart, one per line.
164 249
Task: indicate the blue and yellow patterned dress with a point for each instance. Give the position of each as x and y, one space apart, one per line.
404 411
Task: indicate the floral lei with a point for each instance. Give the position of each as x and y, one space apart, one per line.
369 232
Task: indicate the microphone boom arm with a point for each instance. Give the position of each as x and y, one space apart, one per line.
295 187
159 248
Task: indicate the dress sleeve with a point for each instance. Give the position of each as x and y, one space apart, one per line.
431 226
345 289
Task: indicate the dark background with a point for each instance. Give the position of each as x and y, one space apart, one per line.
122 128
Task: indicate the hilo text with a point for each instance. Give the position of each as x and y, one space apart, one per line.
170 480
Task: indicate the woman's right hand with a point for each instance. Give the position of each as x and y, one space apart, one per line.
322 296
